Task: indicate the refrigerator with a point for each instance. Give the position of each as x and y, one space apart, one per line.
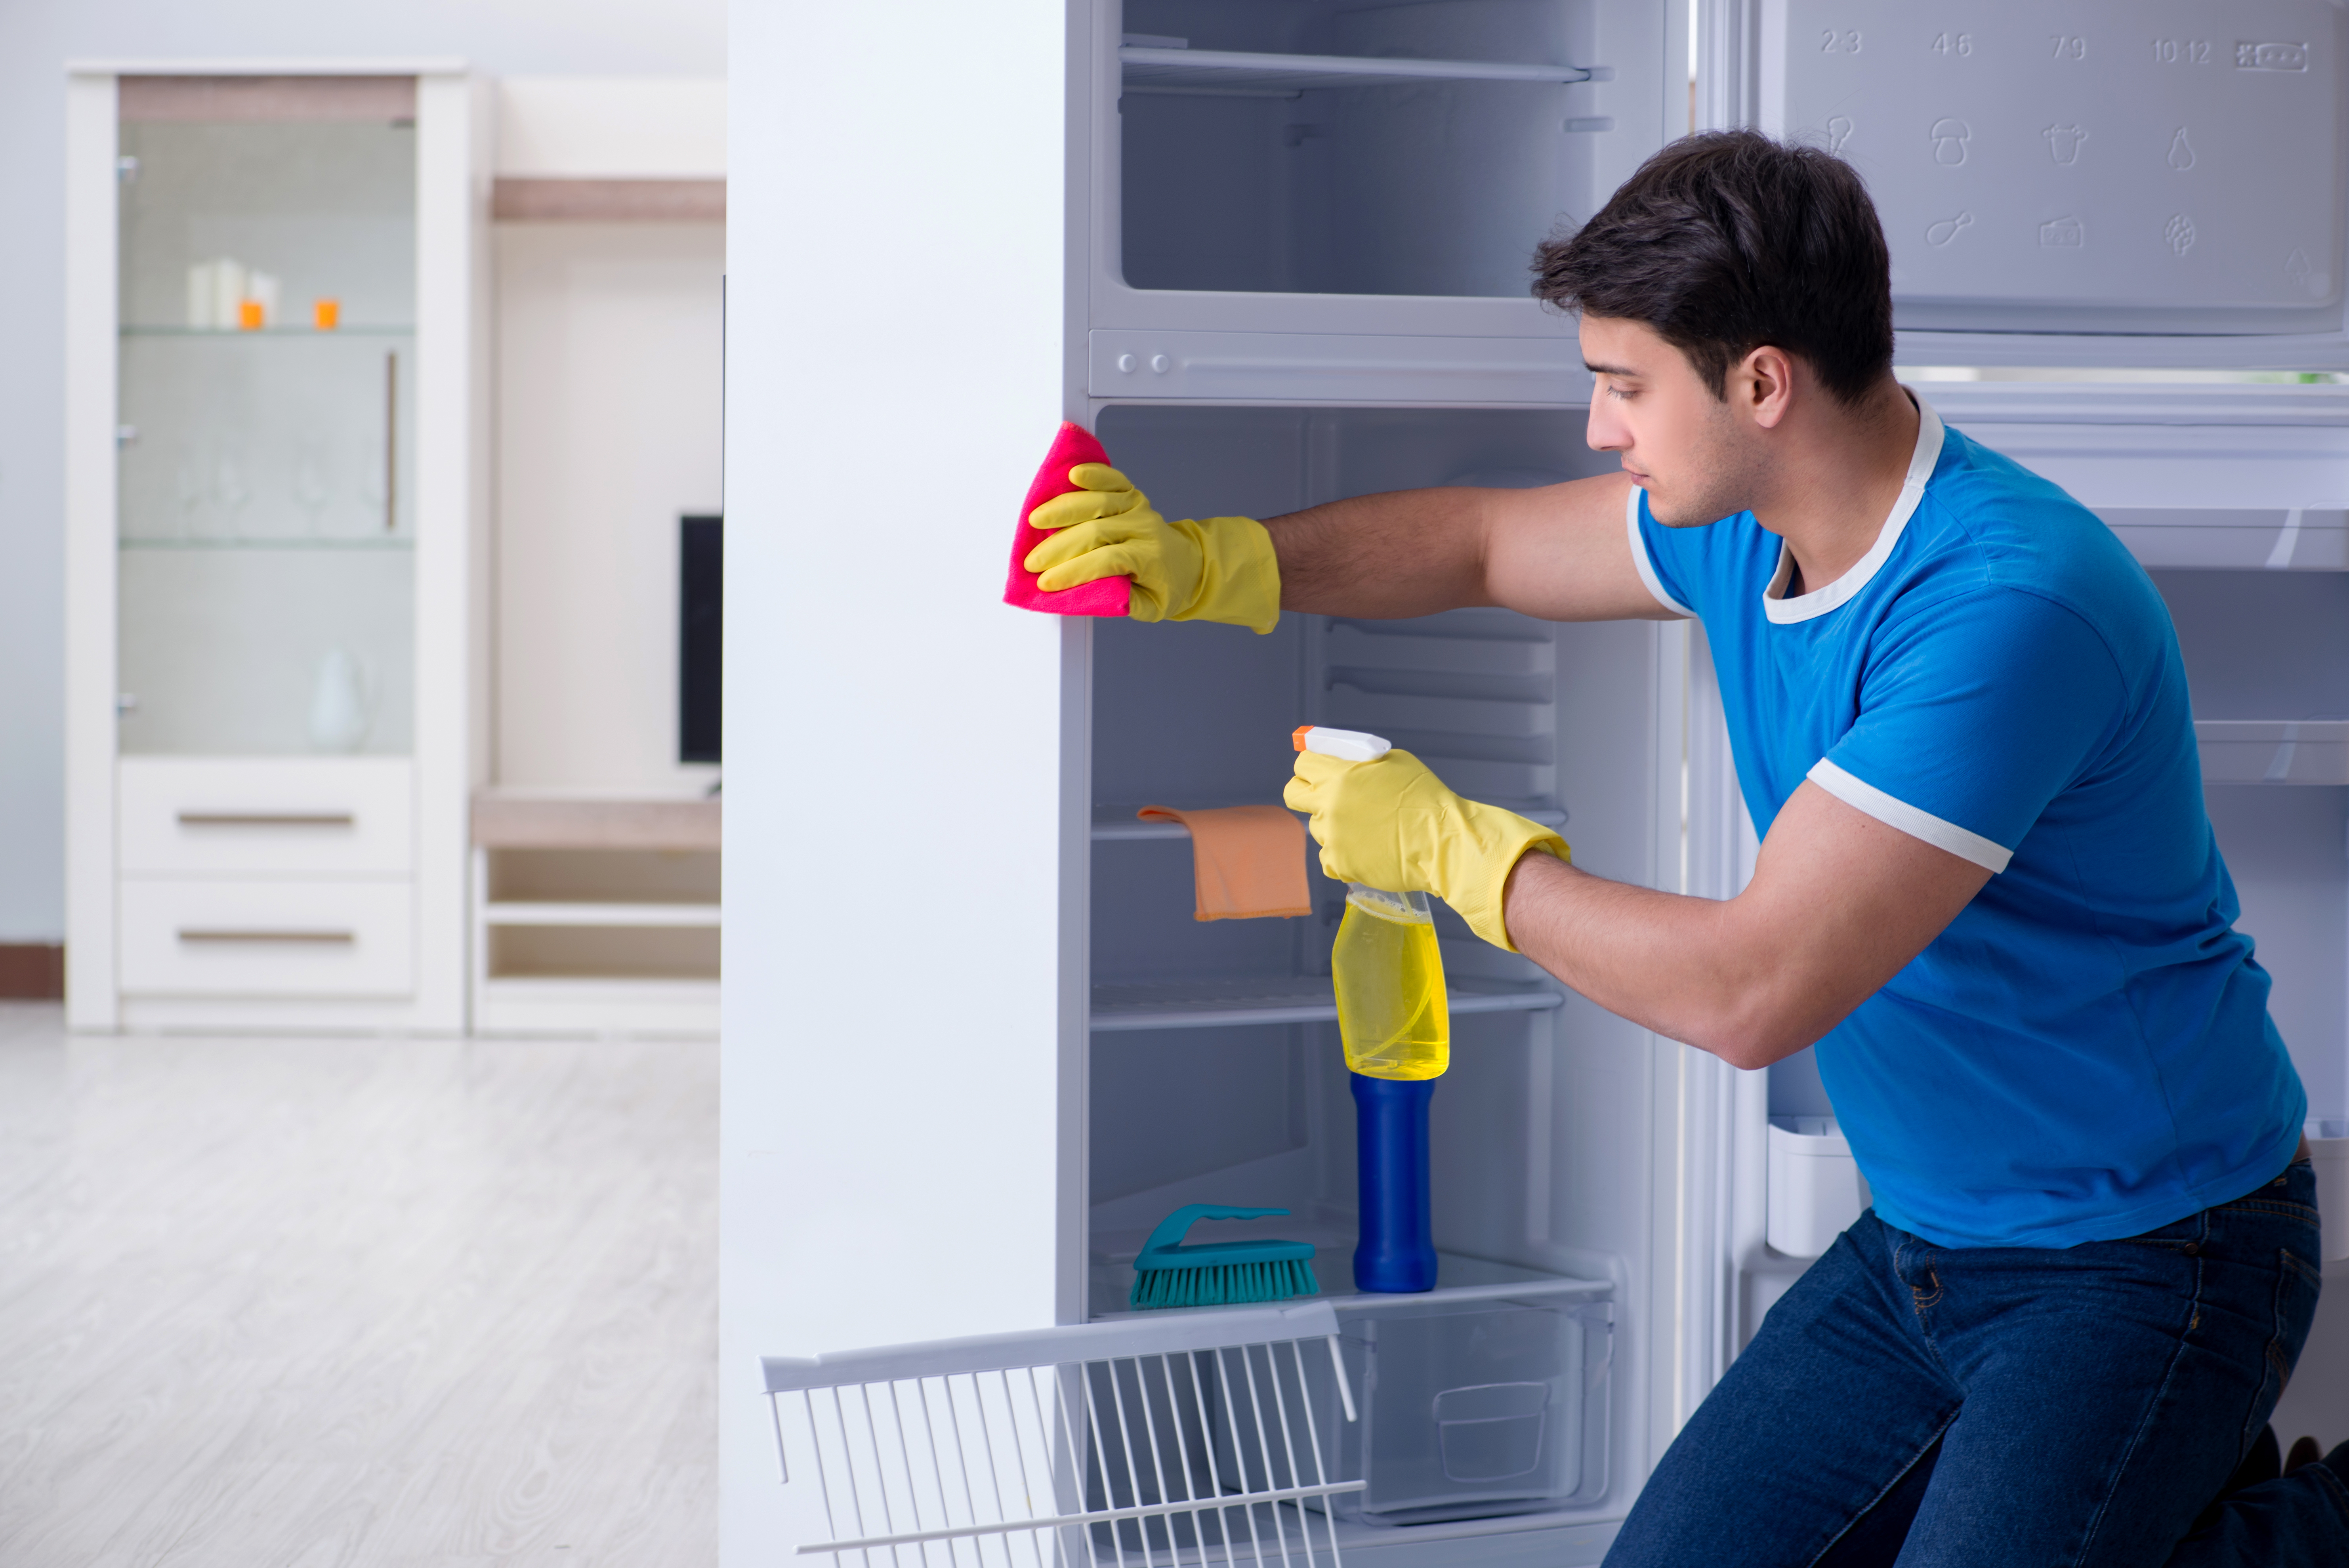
1275 252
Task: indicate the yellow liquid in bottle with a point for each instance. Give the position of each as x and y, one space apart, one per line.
1392 1013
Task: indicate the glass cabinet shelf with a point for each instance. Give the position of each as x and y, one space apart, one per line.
346 330
390 541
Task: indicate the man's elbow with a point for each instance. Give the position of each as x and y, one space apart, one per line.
1761 1027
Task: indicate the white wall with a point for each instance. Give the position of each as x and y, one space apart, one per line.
610 355
499 37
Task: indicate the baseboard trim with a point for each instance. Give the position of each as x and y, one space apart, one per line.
32 972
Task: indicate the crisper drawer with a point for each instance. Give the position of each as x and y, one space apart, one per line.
324 815
1478 1405
220 938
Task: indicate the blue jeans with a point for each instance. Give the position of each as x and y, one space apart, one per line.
2011 1406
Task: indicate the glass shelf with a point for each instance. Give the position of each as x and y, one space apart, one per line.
1116 824
393 542
1120 1006
2273 750
347 330
1226 70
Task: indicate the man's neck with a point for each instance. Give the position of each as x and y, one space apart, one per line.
1831 494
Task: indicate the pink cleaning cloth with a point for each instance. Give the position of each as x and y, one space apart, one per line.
1246 861
1103 595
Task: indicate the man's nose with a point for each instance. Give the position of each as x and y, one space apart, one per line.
1604 431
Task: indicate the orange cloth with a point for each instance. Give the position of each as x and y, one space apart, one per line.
1248 861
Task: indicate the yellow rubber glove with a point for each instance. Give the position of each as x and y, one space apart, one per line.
1393 824
1217 569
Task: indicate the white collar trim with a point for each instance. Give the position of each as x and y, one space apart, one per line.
1836 595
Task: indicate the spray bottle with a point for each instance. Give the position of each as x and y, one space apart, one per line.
1395 1022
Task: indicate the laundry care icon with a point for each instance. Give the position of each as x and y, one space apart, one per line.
1949 139
2063 234
2063 142
1948 229
2304 272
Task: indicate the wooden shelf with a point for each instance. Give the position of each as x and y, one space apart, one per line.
557 912
525 821
571 201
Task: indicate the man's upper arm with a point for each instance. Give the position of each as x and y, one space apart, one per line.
1564 553
1839 904
1976 712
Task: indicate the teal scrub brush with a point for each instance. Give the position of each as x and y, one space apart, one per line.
1219 1274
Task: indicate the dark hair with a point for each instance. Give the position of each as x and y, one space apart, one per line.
1727 241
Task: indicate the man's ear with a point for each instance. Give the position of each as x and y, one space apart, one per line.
1762 385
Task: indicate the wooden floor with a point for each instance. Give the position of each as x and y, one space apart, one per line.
303 1303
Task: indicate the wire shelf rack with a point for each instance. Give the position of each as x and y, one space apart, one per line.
1188 1438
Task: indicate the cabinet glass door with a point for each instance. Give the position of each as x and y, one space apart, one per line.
266 518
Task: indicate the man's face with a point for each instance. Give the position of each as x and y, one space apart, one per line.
1687 449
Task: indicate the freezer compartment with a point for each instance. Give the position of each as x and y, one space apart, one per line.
1362 148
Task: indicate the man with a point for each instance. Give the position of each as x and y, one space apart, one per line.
1987 890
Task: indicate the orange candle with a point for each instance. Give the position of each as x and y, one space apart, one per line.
327 315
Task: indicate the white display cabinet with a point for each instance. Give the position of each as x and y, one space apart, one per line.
272 336
1286 278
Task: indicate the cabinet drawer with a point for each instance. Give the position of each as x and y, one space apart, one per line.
204 938
324 815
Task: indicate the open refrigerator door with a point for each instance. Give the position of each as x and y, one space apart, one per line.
2116 239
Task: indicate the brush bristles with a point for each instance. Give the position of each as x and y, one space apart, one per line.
1225 1284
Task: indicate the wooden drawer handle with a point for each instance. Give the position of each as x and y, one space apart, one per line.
313 938
267 819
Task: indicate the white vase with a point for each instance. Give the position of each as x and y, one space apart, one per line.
339 710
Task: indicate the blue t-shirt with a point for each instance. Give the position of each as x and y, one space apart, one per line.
2086 1052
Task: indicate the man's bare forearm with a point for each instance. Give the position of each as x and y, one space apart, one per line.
1557 553
1407 552
1839 904
1663 960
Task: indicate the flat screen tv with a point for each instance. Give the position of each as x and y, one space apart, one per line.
700 642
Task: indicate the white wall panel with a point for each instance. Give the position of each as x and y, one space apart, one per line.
609 354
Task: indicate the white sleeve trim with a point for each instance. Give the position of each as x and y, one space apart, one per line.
1639 556
1897 814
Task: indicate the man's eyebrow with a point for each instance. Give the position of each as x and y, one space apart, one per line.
1608 369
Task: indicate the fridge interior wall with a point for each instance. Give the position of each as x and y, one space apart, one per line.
2221 492
1428 187
2275 645
1540 1129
